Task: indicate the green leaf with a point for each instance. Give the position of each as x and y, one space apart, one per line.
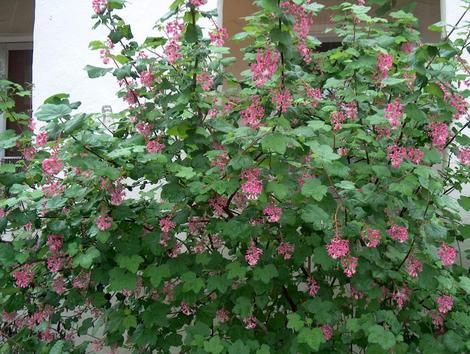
86 260
192 33
312 337
157 273
191 282
314 188
131 263
214 345
322 153
315 215
120 280
236 270
57 348
94 71
378 335
185 172
265 274
465 284
275 143
8 139
465 203
48 112
270 5
295 322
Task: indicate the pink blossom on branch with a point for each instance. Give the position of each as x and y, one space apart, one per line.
24 276
286 250
384 64
273 213
338 247
401 296
393 113
253 254
104 222
327 332
218 36
371 238
252 186
312 287
154 146
439 133
447 254
349 264
265 66
445 303
252 115
282 100
413 267
197 3
398 233
464 157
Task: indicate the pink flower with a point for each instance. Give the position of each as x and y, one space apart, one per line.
351 110
172 48
407 47
372 239
24 276
273 213
447 254
445 303
253 254
53 189
104 222
117 194
147 78
396 155
283 100
55 242
46 336
401 296
218 204
398 233
166 225
28 153
218 36
197 3
286 250
349 264
52 165
338 247
343 151
205 80
54 263
253 114
393 113
385 63
414 267
99 6
154 147
437 319
59 285
144 128
250 322
327 332
186 309
222 315
337 120
252 187
265 66
464 157
312 287
414 155
82 281
314 94
41 139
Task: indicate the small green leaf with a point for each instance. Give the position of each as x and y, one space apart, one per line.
157 273
8 139
265 274
295 322
378 335
214 345
312 337
131 263
120 280
49 112
275 143
314 188
94 71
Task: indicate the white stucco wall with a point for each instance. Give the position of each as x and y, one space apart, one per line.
62 33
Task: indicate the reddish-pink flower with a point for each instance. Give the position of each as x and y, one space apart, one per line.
327 332
314 94
154 146
372 238
253 254
104 222
401 296
312 287
52 165
197 3
54 263
393 113
99 6
166 225
144 128
59 285
396 155
252 187
24 276
147 78
273 213
218 205
218 36
413 267
384 64
337 120
282 99
222 315
464 157
250 322
82 281
338 247
252 115
445 303
398 233
447 254
54 242
41 139
349 264
286 250
265 66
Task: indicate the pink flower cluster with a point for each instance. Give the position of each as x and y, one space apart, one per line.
55 242
197 3
24 276
286 250
154 146
104 222
398 233
252 185
250 322
401 296
218 205
166 225
464 157
172 47
447 254
303 21
218 36
337 120
314 94
53 189
350 108
312 287
52 165
147 78
99 6
384 64
397 154
253 114
439 133
222 315
445 303
393 112
273 213
59 285
327 332
349 264
338 247
456 101
81 281
282 99
253 254
41 139
372 238
205 80
414 267
265 66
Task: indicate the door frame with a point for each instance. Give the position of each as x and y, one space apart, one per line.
5 48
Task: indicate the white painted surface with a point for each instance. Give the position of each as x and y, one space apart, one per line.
62 32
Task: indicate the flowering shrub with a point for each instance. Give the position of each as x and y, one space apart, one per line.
305 207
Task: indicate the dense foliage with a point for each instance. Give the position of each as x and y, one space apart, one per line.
308 205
